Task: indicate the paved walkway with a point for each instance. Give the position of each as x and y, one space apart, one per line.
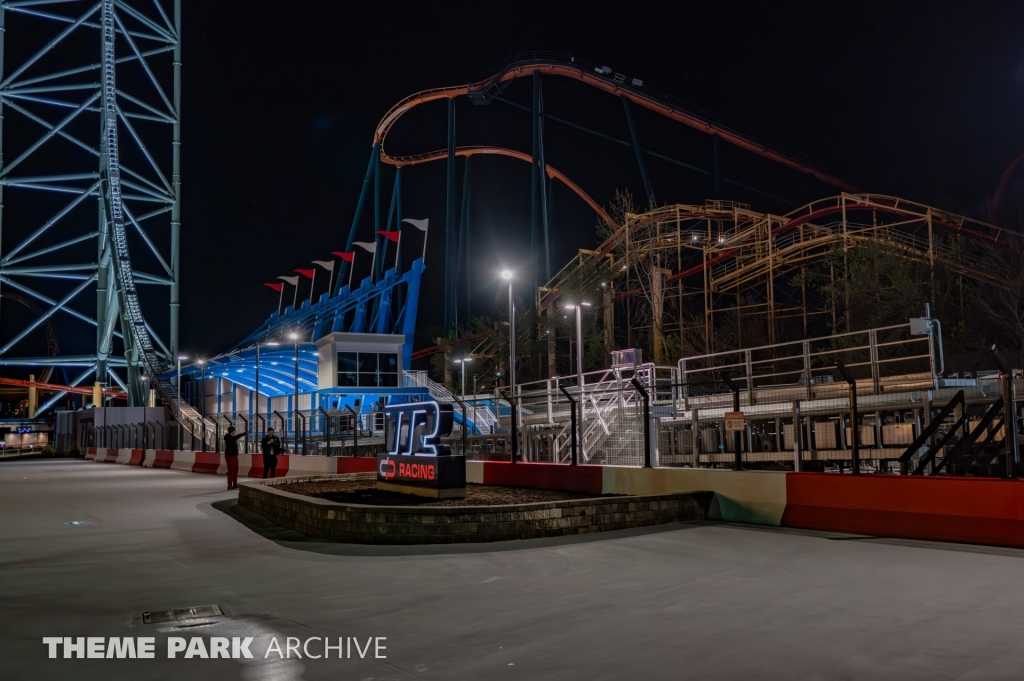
702 601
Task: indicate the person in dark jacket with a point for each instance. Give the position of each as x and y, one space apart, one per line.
271 447
231 456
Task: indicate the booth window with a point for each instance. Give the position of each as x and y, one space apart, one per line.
368 369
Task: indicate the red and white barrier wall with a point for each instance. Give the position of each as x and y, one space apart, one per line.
249 465
968 510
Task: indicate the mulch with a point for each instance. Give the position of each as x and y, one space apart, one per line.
366 492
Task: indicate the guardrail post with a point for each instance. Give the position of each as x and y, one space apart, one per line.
738 435
1010 427
326 420
355 432
695 418
684 386
807 368
750 377
513 425
572 424
647 420
873 342
854 428
464 429
797 452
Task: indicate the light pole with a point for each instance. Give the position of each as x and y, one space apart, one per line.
202 397
256 398
507 276
579 366
178 391
295 407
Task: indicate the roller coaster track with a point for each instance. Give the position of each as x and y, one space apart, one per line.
594 75
747 253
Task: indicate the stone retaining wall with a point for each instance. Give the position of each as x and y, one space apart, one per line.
361 524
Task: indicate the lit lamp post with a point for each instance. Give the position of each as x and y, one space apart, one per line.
256 398
202 397
178 390
507 276
295 407
462 370
579 367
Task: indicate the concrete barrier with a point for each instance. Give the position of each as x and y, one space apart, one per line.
969 510
212 463
745 496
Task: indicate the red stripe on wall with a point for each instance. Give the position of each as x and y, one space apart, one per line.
206 462
969 510
90 454
137 456
164 458
356 464
255 468
586 479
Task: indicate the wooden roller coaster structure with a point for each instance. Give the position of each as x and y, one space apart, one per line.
682 268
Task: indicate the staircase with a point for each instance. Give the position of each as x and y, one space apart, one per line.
481 417
611 431
203 430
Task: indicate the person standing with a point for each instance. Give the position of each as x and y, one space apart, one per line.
270 445
231 456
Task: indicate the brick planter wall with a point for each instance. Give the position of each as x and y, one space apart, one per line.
355 523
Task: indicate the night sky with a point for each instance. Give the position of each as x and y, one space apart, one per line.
919 100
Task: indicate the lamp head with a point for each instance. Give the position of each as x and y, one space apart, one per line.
506 275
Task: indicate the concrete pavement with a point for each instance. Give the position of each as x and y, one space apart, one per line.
700 601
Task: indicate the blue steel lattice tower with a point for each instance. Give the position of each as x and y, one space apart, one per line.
111 67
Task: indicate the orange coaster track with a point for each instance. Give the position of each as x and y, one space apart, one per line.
595 76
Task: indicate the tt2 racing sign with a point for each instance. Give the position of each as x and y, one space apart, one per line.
415 456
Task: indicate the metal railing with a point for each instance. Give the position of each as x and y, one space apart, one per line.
481 418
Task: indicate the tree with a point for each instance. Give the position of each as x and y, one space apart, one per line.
1003 305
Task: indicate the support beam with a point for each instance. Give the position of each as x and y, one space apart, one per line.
450 284
535 180
341 279
463 258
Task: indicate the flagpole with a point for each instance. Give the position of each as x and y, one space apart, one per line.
373 265
280 299
351 269
296 300
330 286
312 285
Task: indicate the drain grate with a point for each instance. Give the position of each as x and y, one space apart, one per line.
178 614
